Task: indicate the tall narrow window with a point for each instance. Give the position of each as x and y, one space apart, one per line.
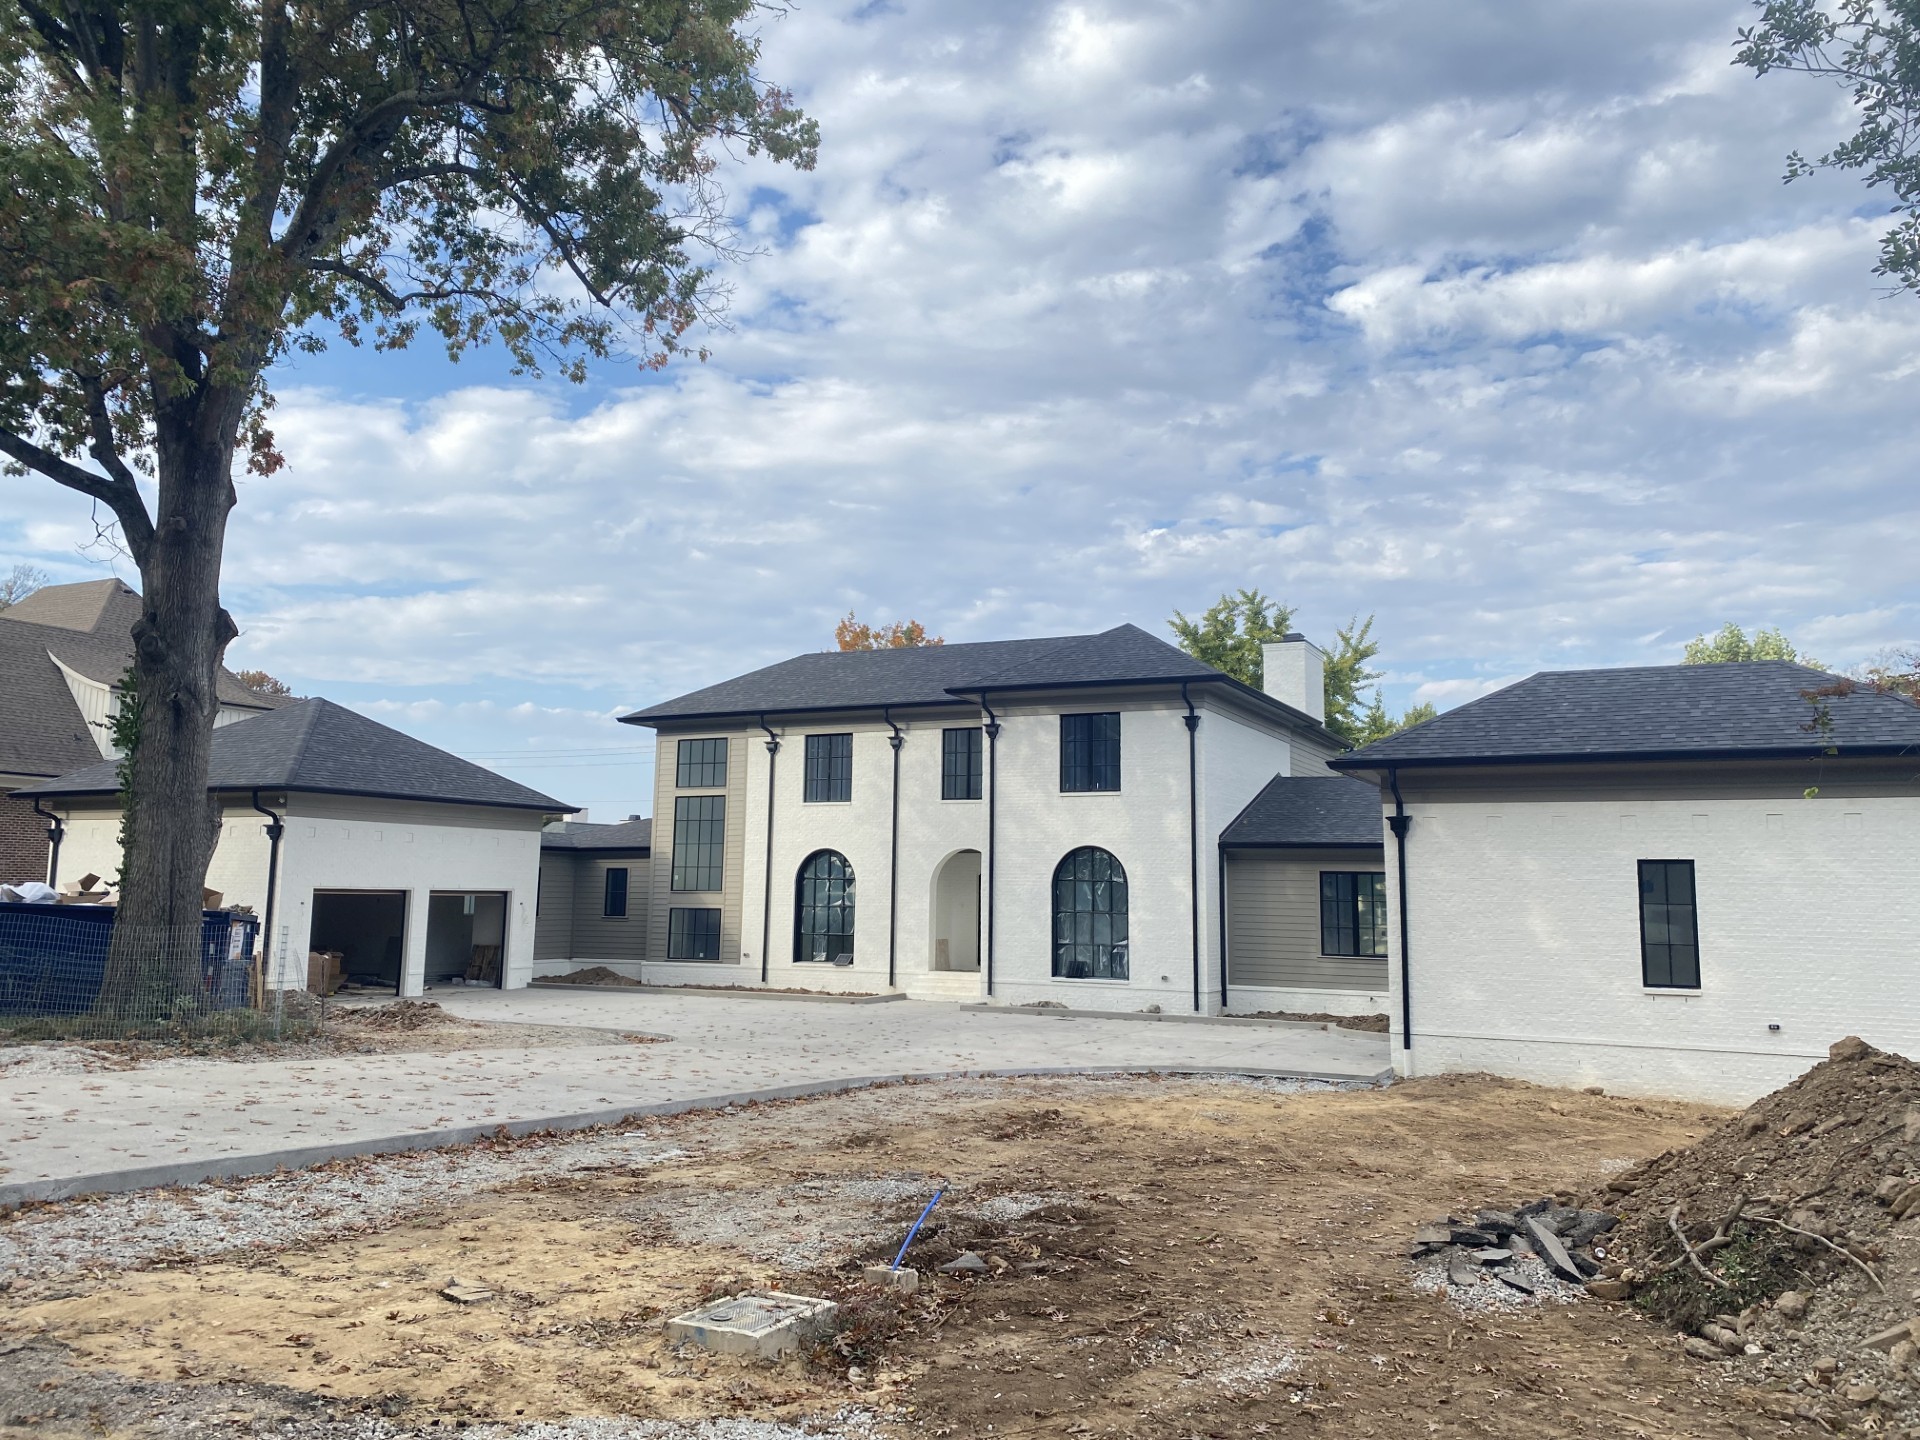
960 764
613 902
823 910
693 934
1669 926
702 765
829 768
1089 916
1353 912
1089 752
699 841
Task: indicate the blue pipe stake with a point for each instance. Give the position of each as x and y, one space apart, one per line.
916 1226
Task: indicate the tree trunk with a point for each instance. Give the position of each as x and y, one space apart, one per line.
153 974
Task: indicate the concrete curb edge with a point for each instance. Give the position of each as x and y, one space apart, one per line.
238 1167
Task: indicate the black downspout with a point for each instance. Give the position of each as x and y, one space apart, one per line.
1400 822
1192 717
56 830
1223 929
766 908
275 829
893 852
992 727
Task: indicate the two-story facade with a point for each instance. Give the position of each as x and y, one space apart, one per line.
1028 821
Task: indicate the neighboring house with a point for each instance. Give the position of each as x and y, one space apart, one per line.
1673 880
63 651
594 892
1025 821
418 866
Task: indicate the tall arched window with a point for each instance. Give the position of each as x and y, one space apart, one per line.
823 910
1089 916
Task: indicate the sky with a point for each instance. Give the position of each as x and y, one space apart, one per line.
1493 320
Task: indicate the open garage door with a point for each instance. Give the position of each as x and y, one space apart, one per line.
367 930
466 937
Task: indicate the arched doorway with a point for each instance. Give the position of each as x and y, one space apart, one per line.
823 910
956 912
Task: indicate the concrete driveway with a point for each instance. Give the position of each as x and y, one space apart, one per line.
178 1121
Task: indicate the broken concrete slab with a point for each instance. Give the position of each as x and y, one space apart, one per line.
906 1281
1517 1280
765 1323
1547 1246
465 1292
965 1263
1461 1270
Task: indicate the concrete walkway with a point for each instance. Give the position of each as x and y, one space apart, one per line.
178 1121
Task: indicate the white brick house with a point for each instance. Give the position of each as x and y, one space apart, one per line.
1017 821
1667 880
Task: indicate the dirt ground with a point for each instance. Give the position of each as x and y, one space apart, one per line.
1171 1258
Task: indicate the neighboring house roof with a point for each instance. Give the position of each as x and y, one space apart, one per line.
1753 709
583 835
944 674
323 748
1306 812
87 628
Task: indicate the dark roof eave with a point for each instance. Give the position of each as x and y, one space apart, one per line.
556 808
1299 717
1359 761
643 718
1226 844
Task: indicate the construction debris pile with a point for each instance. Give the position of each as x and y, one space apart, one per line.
1539 1250
1782 1244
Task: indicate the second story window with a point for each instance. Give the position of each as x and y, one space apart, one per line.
960 764
1089 752
829 768
699 841
702 765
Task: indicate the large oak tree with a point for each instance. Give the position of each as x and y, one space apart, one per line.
198 186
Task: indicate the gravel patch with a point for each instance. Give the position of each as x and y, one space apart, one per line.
1488 1295
849 1424
122 1231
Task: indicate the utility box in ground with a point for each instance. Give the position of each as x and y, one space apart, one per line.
767 1324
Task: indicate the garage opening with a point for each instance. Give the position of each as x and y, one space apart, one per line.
367 930
466 937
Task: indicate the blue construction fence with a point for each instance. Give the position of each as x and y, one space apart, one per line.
53 958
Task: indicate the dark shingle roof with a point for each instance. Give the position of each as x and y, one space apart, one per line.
88 628
583 835
1755 709
320 747
940 674
1308 810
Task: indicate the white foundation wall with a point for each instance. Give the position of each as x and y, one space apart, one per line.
347 843
1525 940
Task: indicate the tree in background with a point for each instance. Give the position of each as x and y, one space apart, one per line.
1872 49
20 582
1228 636
196 190
851 634
261 683
1730 644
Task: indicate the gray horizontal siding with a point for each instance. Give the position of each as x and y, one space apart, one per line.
1273 923
553 928
603 937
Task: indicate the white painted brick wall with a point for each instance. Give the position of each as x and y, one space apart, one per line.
1526 944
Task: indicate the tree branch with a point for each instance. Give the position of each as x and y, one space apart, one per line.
123 497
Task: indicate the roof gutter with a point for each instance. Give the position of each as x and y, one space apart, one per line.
1360 761
1400 822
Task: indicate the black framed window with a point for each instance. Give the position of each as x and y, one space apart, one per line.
699 841
613 900
702 765
1669 925
823 910
693 934
1353 912
1090 752
1089 916
961 764
829 768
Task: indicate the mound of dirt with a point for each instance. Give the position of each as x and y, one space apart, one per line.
1374 1024
592 975
400 1015
1799 1216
